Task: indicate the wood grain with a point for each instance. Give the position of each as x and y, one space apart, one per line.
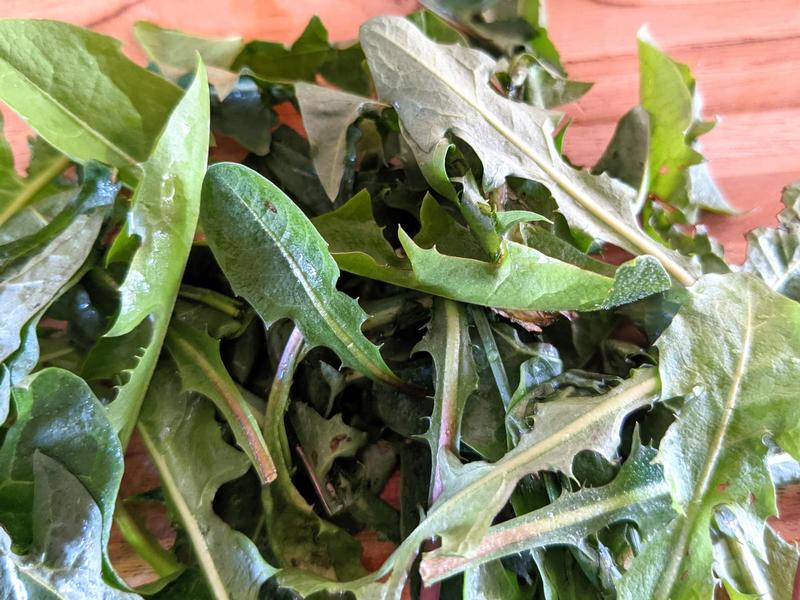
744 53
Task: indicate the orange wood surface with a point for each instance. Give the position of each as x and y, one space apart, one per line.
745 55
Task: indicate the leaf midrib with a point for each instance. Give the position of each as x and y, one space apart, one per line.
263 462
634 237
447 394
716 448
201 549
439 567
32 186
316 301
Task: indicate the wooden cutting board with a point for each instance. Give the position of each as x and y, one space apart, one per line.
745 55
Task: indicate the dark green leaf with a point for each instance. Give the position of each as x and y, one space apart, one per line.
68 541
58 415
244 115
283 268
628 153
275 62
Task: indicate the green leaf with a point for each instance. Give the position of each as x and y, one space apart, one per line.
29 290
523 279
773 254
162 221
346 68
555 247
448 342
526 279
95 196
351 228
530 80
311 54
638 494
175 53
439 229
677 175
16 192
245 115
491 581
324 440
437 28
474 493
193 461
201 370
628 153
275 62
69 537
58 415
276 260
749 574
733 348
327 115
510 138
101 107
666 91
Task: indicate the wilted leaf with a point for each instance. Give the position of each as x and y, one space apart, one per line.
327 115
324 440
